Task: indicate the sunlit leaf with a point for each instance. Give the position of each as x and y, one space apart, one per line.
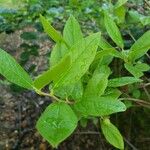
140 47
117 82
53 74
10 69
55 35
99 106
56 123
112 134
113 30
72 32
98 83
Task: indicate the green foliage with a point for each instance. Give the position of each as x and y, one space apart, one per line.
112 134
56 123
113 30
140 47
133 70
55 35
78 76
116 82
98 83
10 69
72 32
99 106
80 60
29 35
120 3
53 74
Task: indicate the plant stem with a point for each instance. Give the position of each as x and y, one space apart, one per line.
52 96
136 100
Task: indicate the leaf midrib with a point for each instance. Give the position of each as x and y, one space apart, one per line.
63 76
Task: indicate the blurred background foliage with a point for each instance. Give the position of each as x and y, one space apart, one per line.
16 14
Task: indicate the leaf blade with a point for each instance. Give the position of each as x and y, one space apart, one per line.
10 69
99 106
140 47
53 74
133 70
98 83
112 134
117 82
113 30
72 32
55 35
80 60
56 123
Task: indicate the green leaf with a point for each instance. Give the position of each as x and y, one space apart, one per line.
77 91
133 17
55 35
98 83
112 93
10 69
71 91
142 67
112 134
140 47
145 20
82 55
58 51
113 30
120 3
120 13
117 82
53 74
56 123
133 70
72 32
99 106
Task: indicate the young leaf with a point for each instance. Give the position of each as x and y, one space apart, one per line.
112 93
133 70
113 30
58 51
56 123
120 13
142 67
72 32
112 134
82 55
98 83
77 91
99 106
120 3
53 74
10 69
55 35
140 47
117 82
